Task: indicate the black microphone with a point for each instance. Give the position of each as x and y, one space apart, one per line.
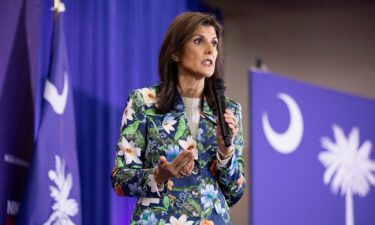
219 89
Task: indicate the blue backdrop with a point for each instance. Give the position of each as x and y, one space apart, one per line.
112 48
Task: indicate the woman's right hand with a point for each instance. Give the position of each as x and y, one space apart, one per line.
180 167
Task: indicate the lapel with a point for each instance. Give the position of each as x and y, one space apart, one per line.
207 112
178 117
181 133
180 127
206 136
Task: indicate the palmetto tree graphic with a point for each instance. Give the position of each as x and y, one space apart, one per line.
64 207
348 167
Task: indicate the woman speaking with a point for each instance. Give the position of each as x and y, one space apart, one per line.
170 153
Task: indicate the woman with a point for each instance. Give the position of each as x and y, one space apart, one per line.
169 154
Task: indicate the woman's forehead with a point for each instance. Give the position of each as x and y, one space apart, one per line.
206 31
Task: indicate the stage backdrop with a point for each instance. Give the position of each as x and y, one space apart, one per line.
312 154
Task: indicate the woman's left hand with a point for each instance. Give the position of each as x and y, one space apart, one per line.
231 120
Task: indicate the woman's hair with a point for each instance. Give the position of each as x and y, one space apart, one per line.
178 33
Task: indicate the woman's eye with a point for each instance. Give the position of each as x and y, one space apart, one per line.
214 43
198 41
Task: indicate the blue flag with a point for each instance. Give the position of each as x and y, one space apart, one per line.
313 161
53 190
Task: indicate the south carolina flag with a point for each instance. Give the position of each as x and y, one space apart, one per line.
313 160
53 191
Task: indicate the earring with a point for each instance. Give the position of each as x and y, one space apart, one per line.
174 58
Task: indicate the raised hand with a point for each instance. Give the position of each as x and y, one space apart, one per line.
180 167
231 120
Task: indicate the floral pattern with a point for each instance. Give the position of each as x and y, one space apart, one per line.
149 96
207 222
209 194
180 221
168 123
148 218
130 153
172 152
205 196
128 113
189 144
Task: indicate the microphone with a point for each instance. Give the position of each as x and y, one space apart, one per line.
219 89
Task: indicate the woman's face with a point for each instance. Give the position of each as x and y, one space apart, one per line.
199 54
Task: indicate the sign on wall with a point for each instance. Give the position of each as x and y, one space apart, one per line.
312 157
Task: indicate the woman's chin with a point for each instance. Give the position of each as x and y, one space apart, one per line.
209 74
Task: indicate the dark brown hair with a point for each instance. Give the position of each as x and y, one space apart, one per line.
179 32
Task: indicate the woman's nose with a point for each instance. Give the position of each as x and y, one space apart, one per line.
209 49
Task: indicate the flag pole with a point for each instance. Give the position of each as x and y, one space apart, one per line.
56 5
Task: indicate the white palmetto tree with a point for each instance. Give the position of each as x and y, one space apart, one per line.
348 167
64 207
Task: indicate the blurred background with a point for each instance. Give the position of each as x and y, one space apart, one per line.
113 48
328 43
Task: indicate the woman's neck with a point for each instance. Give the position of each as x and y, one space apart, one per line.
190 87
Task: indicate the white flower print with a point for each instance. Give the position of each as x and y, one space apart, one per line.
208 195
189 144
129 151
218 208
183 220
152 183
148 201
168 123
128 113
149 96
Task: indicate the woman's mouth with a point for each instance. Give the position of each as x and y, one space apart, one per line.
207 62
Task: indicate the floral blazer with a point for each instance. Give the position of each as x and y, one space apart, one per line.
201 198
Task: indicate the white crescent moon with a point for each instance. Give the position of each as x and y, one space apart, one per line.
288 141
51 95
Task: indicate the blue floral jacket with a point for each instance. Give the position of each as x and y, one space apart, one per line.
201 198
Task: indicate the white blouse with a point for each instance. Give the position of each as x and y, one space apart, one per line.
192 109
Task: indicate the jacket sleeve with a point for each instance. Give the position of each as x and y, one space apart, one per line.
129 176
231 176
